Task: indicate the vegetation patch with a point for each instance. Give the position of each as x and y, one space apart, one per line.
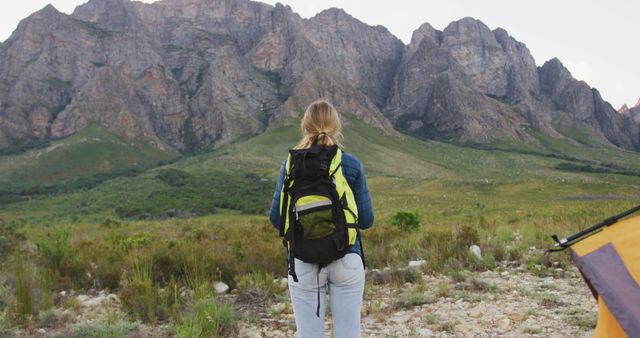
588 168
183 194
405 221
99 330
258 287
207 318
410 298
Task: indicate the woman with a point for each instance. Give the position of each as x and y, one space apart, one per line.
345 276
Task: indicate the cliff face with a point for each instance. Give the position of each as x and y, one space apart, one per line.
584 104
447 87
633 112
480 86
192 74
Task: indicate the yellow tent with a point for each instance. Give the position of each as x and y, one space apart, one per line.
608 256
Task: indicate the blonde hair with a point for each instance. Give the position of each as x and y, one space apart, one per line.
321 122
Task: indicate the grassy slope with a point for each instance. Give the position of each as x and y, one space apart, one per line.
444 182
408 157
90 151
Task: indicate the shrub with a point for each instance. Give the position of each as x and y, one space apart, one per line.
118 329
440 249
483 286
466 236
6 302
138 240
58 255
207 318
171 299
583 319
70 303
139 295
396 276
111 223
259 286
431 318
170 262
405 221
174 177
449 326
25 285
9 237
443 290
497 249
108 269
409 298
32 289
47 319
241 249
197 276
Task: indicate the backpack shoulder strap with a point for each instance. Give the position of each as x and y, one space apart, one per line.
336 162
284 197
288 166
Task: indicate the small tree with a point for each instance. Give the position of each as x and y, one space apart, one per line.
406 221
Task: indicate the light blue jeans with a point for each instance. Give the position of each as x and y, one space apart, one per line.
345 278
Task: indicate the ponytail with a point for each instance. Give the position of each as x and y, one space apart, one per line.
321 125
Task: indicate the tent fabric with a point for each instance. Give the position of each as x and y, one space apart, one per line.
610 278
607 324
610 262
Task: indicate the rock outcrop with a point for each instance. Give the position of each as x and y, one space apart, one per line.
633 112
584 105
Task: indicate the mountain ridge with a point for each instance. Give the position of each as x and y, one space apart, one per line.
193 74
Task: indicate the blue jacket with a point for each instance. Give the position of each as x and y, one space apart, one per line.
354 174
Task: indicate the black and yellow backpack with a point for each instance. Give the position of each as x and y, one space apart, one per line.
318 211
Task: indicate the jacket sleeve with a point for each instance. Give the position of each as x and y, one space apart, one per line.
363 200
274 213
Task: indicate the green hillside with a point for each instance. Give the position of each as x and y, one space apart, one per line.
90 151
440 179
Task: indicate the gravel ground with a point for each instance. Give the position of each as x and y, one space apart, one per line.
507 303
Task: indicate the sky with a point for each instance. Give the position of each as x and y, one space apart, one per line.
596 40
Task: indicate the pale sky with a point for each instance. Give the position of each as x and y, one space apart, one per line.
596 40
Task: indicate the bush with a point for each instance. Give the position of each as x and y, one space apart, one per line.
57 254
410 298
258 286
6 301
139 295
118 329
207 318
466 236
9 237
32 289
171 262
111 223
136 241
438 243
406 221
174 177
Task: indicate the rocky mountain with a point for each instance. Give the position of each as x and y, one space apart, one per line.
480 85
194 74
633 112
